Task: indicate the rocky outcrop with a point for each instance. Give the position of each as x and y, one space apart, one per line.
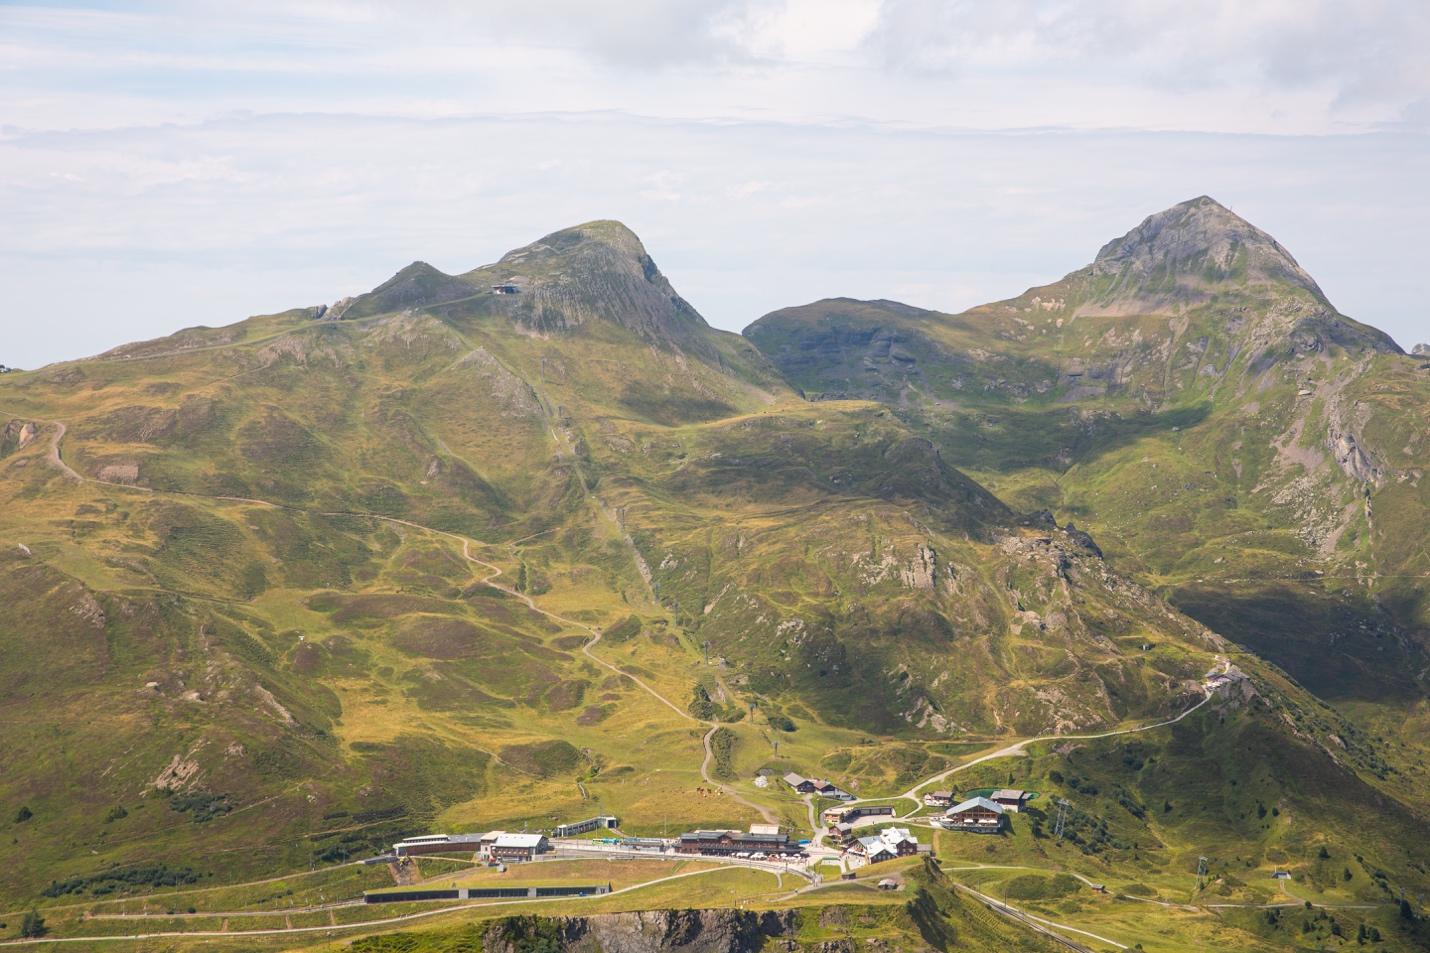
644 931
333 312
1353 460
17 435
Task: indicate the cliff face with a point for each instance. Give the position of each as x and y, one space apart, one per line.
645 931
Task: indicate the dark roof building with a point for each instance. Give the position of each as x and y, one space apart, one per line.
848 815
1011 799
724 843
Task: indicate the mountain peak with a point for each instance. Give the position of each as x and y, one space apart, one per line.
1197 243
598 269
605 234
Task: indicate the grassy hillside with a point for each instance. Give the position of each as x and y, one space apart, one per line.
278 593
1194 400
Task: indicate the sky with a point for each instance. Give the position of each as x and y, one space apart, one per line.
164 165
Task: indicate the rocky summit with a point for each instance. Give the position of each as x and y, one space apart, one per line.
1190 247
294 612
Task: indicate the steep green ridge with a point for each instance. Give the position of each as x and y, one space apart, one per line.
1194 400
257 623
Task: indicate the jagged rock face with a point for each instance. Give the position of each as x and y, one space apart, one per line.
1194 243
646 931
1353 460
1421 350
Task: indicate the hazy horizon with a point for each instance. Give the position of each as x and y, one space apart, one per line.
176 166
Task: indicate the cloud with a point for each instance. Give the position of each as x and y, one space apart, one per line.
1283 66
167 164
1362 53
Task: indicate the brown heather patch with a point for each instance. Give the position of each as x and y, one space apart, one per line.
442 639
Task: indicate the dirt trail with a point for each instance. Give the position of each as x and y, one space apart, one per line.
766 813
1016 748
54 454
1039 924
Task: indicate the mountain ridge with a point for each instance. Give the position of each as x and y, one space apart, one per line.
274 618
1087 396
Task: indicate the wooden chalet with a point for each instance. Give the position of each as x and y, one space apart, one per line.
977 814
1010 799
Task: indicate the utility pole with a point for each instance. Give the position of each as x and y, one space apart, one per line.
1201 871
1060 825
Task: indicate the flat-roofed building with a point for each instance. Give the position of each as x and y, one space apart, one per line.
438 844
518 847
599 822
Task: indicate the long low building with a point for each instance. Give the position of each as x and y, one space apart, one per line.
482 893
438 844
493 845
517 847
599 822
726 843
848 815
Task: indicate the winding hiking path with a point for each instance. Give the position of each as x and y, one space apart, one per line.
764 812
1035 922
54 454
1016 748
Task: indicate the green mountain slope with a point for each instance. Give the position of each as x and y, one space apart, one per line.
1195 400
278 592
